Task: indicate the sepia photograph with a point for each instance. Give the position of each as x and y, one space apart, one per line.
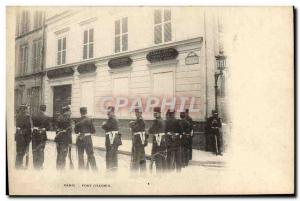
142 100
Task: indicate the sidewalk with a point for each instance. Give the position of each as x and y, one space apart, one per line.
201 158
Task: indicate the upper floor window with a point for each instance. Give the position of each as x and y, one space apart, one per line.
61 50
23 58
25 20
88 44
38 19
37 55
121 35
162 26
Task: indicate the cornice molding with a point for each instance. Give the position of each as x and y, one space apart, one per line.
61 31
88 21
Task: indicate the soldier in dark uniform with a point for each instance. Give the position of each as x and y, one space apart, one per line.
139 141
39 136
22 136
85 128
174 133
185 140
190 137
112 139
63 137
213 127
159 146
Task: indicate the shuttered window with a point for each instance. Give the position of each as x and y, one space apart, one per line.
121 35
162 26
37 55
23 59
61 50
88 44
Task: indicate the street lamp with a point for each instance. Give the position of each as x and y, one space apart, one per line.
221 64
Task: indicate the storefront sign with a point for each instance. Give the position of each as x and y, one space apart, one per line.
192 58
120 62
162 55
61 72
86 68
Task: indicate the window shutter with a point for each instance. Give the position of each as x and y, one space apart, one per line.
64 44
91 35
158 34
117 27
85 39
91 50
157 16
124 25
124 42
117 44
168 32
167 15
63 57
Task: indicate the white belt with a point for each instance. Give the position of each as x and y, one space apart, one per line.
37 128
158 137
142 136
86 134
169 133
112 135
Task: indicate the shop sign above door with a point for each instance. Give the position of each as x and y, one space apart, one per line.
119 62
162 55
86 68
61 72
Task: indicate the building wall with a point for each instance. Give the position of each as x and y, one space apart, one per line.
193 31
140 23
25 81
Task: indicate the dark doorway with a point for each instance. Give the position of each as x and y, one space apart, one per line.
61 98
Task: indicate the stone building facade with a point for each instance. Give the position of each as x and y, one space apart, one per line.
93 53
29 45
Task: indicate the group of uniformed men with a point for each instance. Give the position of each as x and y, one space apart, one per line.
172 139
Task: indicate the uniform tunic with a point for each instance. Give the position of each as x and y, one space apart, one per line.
85 128
159 146
174 155
112 142
213 134
22 137
185 141
40 123
63 139
139 141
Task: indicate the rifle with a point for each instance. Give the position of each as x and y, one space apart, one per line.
70 158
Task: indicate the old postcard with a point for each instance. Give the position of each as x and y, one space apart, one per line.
157 100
